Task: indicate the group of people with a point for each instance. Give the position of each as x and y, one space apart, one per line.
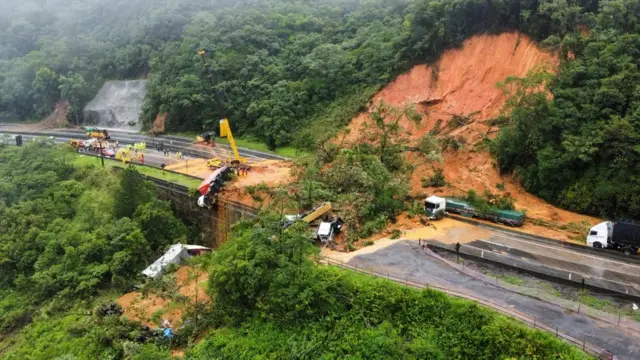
140 146
166 152
242 171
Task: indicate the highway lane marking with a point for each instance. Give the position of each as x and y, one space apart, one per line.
594 257
534 262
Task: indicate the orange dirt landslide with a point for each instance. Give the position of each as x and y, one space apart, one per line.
59 116
158 126
141 309
57 119
268 172
463 83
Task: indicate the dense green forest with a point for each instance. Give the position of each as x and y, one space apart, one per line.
294 72
70 232
74 236
286 71
580 150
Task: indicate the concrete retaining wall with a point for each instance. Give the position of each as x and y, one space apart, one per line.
214 224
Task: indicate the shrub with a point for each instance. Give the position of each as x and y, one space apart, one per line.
436 180
451 142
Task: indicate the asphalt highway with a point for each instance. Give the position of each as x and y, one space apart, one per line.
152 157
405 259
172 143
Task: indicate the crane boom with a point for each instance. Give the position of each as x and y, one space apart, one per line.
225 131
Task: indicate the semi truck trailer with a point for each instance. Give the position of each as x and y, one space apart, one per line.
436 207
623 235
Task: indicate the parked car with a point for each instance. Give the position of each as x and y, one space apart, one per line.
108 152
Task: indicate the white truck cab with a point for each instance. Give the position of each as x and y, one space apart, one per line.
325 232
600 235
328 230
434 207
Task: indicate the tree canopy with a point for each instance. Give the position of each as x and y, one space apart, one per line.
65 233
287 71
579 149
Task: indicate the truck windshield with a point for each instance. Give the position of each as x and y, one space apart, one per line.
430 206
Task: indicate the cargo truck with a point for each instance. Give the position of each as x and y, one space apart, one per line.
623 235
436 207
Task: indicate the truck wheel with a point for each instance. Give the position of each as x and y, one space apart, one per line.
597 245
627 250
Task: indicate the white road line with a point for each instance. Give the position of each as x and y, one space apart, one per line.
556 248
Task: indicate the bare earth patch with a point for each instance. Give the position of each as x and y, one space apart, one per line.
456 98
142 308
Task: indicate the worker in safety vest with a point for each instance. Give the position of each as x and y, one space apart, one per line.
142 158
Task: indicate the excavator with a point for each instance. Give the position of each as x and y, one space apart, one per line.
206 138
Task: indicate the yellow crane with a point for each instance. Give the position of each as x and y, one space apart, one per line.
225 131
225 128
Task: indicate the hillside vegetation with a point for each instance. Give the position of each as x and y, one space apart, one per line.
271 298
580 149
69 232
295 72
280 65
75 236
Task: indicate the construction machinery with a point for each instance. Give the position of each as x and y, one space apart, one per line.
215 163
310 216
206 138
211 186
225 131
98 133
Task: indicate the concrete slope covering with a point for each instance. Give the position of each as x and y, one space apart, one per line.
117 105
462 85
